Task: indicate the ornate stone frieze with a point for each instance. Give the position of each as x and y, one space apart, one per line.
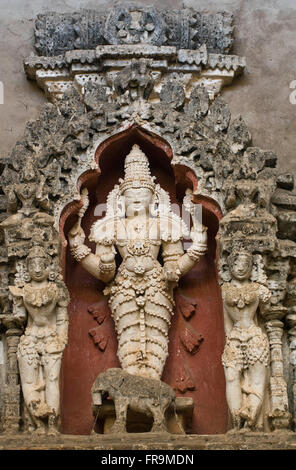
132 24
56 74
79 47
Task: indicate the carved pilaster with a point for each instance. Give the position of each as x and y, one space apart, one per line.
279 412
291 320
12 397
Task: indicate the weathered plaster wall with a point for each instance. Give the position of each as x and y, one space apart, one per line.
265 34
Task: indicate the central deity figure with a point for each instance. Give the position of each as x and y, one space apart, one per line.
140 224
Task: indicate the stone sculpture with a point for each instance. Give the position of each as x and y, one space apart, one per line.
246 354
139 222
147 396
30 193
86 73
41 302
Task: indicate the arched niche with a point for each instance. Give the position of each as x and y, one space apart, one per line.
196 339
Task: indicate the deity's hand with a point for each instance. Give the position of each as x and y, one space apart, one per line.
76 235
199 237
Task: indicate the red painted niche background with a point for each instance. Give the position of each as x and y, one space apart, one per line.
193 367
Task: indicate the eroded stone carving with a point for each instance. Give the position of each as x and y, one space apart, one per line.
139 222
140 394
246 354
171 96
40 302
132 24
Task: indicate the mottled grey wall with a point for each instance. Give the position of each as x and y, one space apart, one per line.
265 33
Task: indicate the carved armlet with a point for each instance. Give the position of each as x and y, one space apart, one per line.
106 267
195 253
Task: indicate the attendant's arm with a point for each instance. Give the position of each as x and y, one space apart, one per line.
228 323
264 300
62 322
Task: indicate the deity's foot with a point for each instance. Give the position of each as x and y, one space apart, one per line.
53 425
245 413
39 409
245 430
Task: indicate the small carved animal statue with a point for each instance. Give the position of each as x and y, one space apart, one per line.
140 394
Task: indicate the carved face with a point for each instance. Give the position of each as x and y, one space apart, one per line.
28 173
241 266
137 200
38 269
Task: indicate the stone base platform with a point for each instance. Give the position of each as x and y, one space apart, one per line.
147 441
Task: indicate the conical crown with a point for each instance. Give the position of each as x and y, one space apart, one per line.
38 251
136 171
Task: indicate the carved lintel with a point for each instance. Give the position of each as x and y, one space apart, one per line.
128 24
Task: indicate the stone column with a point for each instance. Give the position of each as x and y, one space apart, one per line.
279 412
291 321
12 413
